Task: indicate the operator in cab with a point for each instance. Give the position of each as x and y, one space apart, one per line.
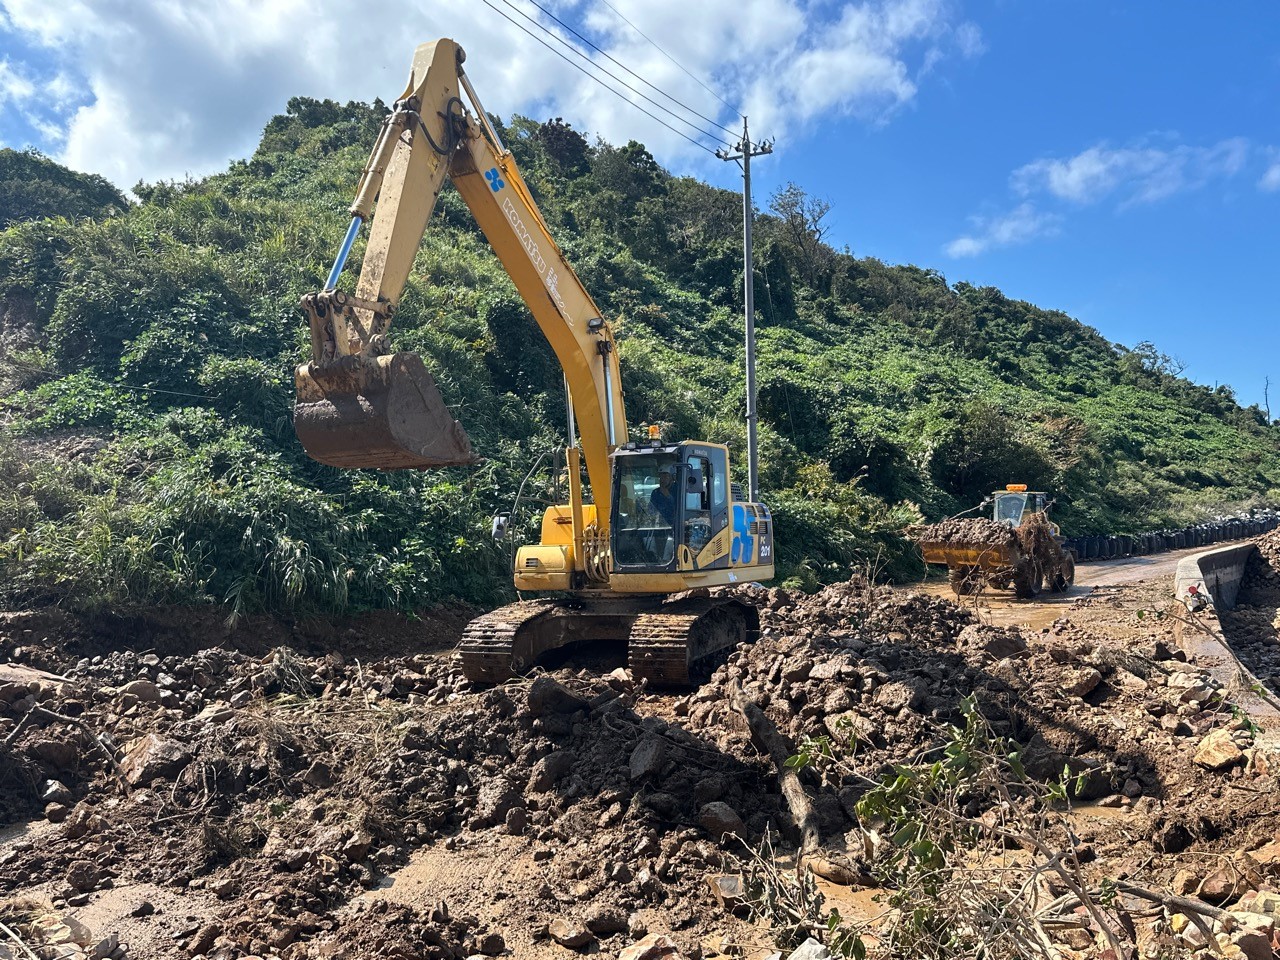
663 498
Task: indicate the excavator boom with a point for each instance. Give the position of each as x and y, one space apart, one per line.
357 406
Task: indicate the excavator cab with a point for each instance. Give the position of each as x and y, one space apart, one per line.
669 501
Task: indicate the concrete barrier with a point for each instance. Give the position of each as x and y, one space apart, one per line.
1198 631
1218 572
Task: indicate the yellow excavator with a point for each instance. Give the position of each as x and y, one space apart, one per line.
662 524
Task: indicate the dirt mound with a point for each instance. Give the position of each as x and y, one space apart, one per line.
975 530
288 789
1253 627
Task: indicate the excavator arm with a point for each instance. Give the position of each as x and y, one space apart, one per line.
359 405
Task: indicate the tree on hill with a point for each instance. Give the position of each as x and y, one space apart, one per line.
33 187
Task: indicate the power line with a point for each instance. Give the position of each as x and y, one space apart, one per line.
670 57
583 56
606 53
617 93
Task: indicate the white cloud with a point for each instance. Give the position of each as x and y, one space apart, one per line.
1270 181
1019 225
14 86
155 90
1139 174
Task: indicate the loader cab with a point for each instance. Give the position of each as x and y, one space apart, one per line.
1015 503
668 502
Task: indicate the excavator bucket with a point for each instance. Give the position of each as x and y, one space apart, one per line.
383 412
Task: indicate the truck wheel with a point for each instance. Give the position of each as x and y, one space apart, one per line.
965 581
1066 575
1026 582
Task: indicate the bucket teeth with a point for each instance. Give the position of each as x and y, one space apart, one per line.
384 412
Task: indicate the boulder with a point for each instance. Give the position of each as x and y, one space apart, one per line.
718 818
546 696
656 946
154 757
548 771
647 758
569 933
1218 751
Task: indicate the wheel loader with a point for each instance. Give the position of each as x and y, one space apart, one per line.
1018 547
635 551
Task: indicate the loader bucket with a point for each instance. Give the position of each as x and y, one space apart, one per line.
382 412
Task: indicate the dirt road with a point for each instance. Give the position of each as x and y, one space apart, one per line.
1001 608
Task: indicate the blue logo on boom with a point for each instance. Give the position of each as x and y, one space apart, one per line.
744 544
495 180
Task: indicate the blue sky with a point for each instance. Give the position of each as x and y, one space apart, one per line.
1120 162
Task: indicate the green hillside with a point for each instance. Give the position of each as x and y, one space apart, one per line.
33 187
146 360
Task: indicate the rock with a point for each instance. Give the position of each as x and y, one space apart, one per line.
144 690
656 946
491 944
569 933
708 789
55 791
358 846
145 909
648 757
996 642
826 669
718 818
84 875
811 949
82 821
517 821
796 670
1221 886
61 754
546 696
728 890
897 696
56 812
604 920
1252 934
495 800
1218 751
105 947
548 771
1185 882
154 757
203 938
1080 682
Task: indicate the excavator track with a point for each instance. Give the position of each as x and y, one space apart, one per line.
668 644
487 652
680 648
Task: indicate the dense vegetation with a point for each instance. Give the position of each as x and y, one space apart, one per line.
146 373
32 187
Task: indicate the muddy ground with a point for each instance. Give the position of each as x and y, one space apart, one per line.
173 788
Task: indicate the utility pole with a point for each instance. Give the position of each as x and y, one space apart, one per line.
745 150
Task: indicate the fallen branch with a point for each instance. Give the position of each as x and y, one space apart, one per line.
809 855
92 736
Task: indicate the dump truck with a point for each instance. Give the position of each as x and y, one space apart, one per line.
1018 547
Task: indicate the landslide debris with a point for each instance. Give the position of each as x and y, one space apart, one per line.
286 788
974 530
1253 627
